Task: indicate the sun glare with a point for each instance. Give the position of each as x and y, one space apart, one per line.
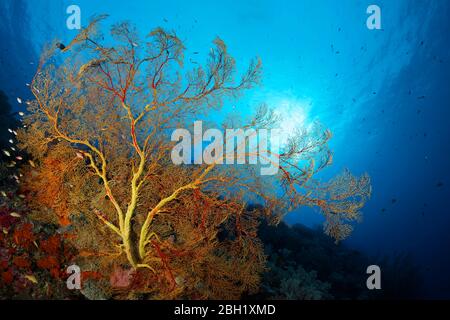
293 115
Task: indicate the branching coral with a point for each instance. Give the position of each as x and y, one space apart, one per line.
98 133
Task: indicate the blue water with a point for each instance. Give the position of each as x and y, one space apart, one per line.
385 94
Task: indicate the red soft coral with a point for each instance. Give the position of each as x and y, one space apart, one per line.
51 264
22 262
51 245
7 276
23 235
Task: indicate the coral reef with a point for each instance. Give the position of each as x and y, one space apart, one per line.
100 179
305 264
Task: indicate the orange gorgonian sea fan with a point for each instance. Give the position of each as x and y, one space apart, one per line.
98 132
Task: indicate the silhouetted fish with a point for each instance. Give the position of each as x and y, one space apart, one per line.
439 184
60 46
393 200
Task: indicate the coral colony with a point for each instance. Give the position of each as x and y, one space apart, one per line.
113 198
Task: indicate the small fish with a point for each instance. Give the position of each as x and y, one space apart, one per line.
11 141
135 44
5 231
439 184
79 155
14 132
3 193
19 100
179 280
21 114
7 153
60 46
31 162
13 149
10 131
15 215
393 200
21 196
31 278
19 158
